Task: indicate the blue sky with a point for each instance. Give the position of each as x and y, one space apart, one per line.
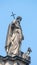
27 9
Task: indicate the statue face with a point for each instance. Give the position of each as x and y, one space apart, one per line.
19 18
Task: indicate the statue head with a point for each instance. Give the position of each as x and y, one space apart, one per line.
29 50
18 19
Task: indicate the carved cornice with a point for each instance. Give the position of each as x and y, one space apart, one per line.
14 59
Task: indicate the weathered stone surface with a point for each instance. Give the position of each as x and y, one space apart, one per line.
14 37
1 62
8 60
9 63
12 47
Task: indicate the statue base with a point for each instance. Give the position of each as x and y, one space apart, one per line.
16 60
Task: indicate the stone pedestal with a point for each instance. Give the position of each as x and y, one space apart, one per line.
8 60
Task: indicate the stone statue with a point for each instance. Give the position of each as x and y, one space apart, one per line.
14 37
13 42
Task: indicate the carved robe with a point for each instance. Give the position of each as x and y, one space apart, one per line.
14 40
